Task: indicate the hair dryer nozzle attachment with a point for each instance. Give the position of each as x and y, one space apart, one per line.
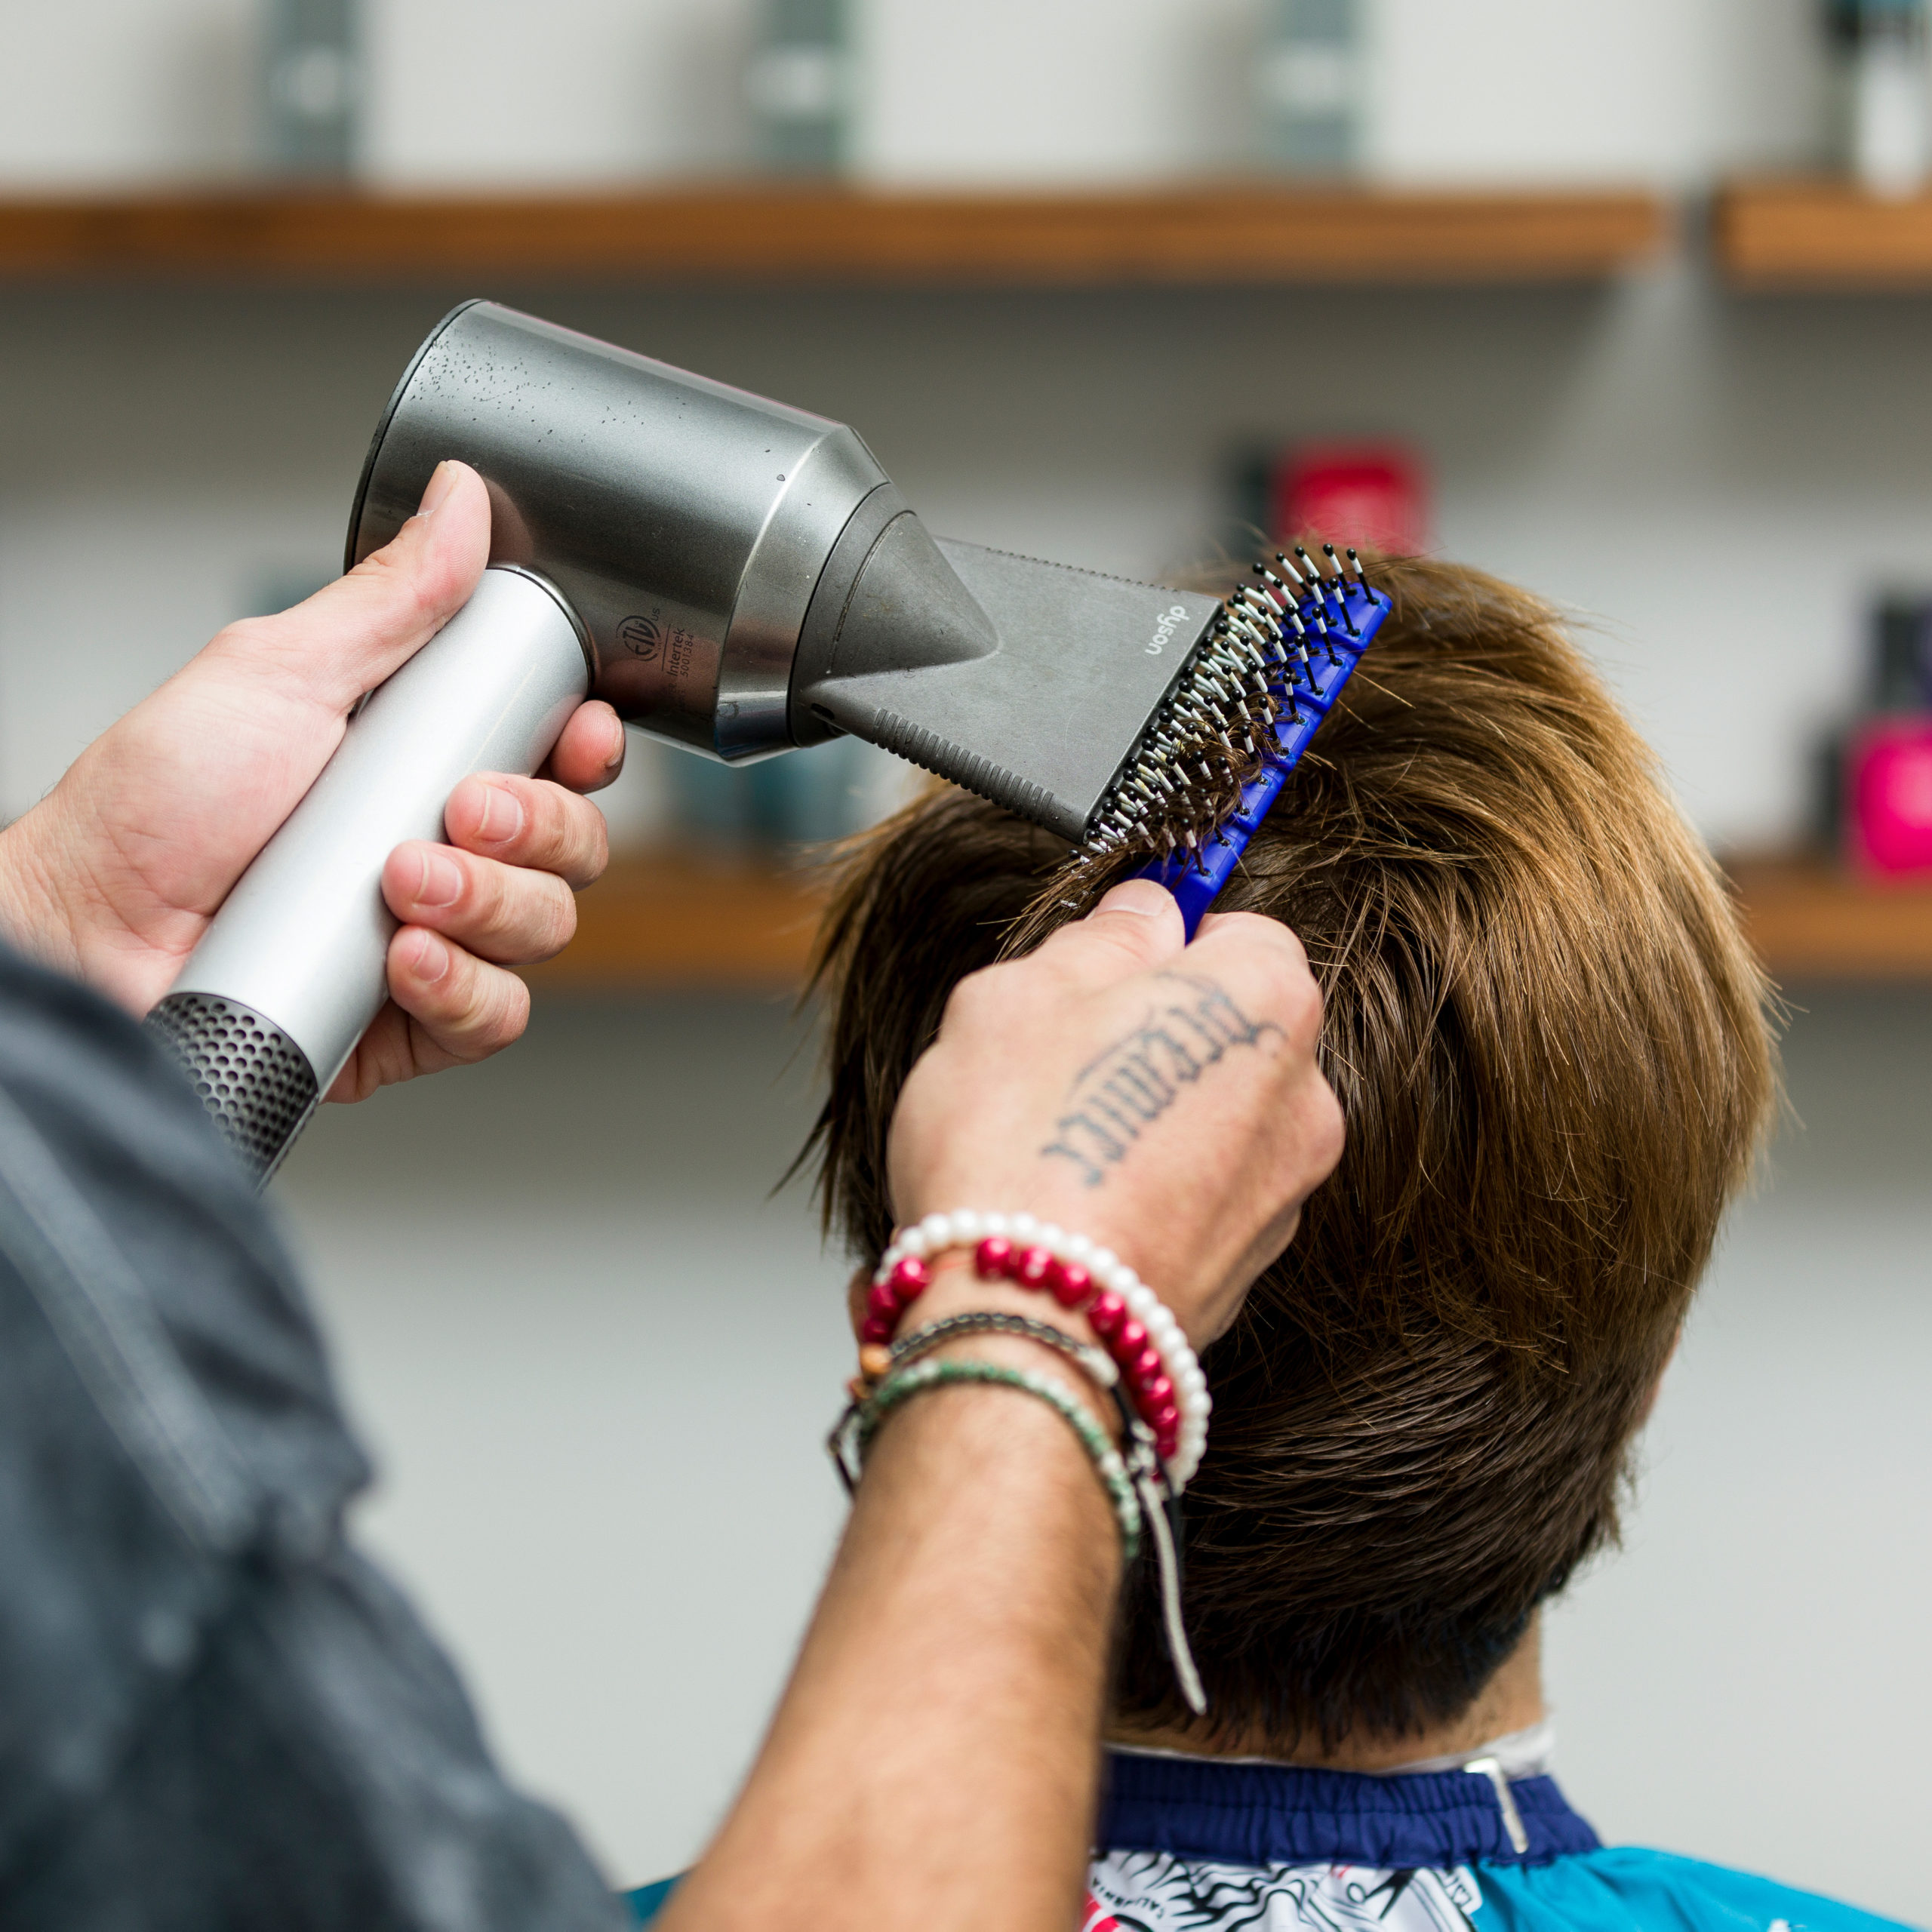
1032 684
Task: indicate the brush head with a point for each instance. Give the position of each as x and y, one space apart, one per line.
1219 748
1321 631
1129 719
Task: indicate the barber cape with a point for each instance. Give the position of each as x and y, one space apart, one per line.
1487 1844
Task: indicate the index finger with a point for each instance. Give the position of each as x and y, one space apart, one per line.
1267 963
1248 929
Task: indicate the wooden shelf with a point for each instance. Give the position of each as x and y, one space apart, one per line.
664 924
1804 233
1811 920
1253 234
658 923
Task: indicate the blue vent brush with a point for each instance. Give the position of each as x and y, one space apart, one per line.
1301 634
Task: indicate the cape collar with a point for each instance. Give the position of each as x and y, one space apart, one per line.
1287 1814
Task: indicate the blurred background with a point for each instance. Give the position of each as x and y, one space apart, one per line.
1631 303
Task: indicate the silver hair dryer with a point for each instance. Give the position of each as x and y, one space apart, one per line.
734 576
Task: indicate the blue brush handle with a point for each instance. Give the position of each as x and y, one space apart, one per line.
1196 881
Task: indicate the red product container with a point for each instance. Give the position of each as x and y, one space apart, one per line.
1373 496
1888 776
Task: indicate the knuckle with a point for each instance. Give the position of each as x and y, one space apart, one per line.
1133 936
553 924
480 1008
1332 1123
1273 941
579 844
1301 1001
554 836
971 996
437 1002
1327 1141
595 852
506 1011
486 894
543 835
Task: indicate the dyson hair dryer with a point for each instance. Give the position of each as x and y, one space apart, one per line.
734 576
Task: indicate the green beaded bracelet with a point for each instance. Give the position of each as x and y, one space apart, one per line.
903 1384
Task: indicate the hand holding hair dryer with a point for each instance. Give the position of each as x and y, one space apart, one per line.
738 577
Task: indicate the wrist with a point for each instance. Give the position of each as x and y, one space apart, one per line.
34 917
956 1268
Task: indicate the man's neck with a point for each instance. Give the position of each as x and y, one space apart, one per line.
1511 1701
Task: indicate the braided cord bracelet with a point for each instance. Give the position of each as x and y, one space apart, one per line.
1159 1512
1095 1363
904 1383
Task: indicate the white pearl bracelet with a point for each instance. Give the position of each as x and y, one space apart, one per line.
1128 1317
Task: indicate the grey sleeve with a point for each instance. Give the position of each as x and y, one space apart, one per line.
213 1713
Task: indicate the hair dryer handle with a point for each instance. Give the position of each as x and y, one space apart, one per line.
292 968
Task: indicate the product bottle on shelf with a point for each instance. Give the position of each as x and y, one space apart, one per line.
798 83
1309 79
1884 92
311 87
1886 774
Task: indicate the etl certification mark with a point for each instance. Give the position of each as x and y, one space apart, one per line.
641 637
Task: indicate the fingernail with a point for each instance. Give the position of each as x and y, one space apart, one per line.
442 882
442 480
432 957
503 816
616 758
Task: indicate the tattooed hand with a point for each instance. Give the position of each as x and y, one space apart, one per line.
1161 1097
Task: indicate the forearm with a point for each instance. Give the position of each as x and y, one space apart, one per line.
955 1671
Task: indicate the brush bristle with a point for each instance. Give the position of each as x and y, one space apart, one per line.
1214 731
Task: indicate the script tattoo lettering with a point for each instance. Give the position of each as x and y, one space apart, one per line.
1133 1082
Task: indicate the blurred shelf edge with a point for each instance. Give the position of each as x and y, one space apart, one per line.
663 923
1795 232
1811 920
667 922
1224 235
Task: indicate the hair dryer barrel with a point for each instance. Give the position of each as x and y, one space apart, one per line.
294 966
688 524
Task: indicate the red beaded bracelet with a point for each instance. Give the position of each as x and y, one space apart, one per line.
1158 1371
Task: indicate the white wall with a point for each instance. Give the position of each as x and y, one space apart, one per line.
101 91
598 1363
1058 90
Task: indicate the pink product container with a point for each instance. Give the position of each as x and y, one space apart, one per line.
1372 495
1888 778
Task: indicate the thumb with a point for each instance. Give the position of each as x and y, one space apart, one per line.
351 635
1136 925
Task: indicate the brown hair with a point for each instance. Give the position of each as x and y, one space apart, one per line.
1553 1052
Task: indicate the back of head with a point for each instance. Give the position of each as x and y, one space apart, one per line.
1551 1047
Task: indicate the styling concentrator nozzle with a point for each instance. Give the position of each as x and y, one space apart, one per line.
735 575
